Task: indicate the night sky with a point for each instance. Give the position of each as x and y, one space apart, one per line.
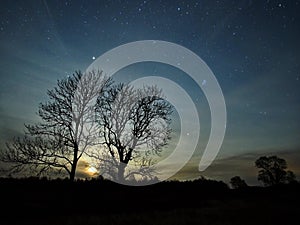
252 47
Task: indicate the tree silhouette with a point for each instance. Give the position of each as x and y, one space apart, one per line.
273 171
134 124
237 182
66 130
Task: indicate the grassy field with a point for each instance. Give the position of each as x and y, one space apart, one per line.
31 201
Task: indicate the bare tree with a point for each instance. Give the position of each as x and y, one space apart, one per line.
66 130
134 125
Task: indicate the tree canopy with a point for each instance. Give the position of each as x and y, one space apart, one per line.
273 171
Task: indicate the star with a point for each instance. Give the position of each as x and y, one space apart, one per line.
93 57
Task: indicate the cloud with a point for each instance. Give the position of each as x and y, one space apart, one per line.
82 170
242 165
10 127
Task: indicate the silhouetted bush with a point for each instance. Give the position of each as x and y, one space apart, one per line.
237 182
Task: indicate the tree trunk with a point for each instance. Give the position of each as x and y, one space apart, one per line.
74 164
73 170
121 171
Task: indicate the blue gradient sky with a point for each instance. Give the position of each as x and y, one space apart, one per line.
252 47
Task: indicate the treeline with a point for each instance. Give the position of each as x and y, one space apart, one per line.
101 184
100 181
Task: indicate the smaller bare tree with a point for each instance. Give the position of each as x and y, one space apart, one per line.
134 125
67 129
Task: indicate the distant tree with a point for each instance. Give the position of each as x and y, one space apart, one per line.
134 125
273 171
66 130
290 177
237 182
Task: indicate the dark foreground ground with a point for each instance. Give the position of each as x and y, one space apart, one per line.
101 202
